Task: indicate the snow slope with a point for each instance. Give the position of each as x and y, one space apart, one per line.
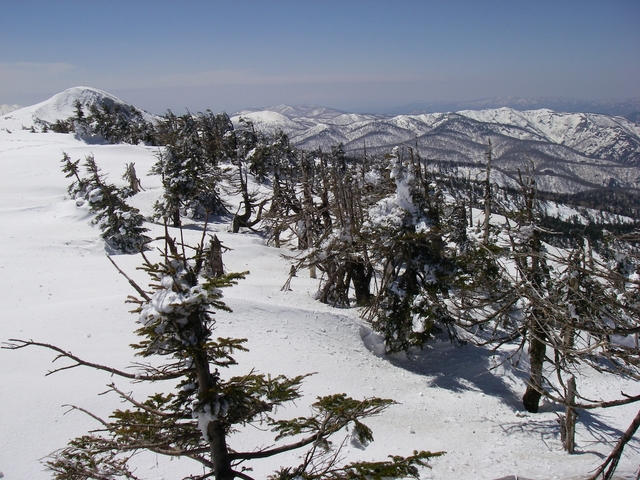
58 287
60 107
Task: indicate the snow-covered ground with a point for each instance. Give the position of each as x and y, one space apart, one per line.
57 286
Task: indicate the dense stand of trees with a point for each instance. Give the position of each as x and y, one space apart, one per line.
108 121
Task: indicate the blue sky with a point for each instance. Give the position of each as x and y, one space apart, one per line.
351 55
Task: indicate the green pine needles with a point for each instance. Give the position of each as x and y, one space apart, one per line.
121 224
200 409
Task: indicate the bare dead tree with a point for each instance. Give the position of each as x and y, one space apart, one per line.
132 178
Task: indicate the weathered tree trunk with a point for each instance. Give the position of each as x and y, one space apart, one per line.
361 278
131 177
175 218
216 434
336 290
307 206
207 394
219 451
240 220
324 195
243 220
569 441
537 352
276 236
215 257
537 320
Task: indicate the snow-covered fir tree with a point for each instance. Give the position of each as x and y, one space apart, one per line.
189 165
405 232
121 224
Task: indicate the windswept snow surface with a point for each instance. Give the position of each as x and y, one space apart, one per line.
57 286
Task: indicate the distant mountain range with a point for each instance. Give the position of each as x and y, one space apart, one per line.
628 108
572 152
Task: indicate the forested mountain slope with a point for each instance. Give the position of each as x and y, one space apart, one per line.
571 151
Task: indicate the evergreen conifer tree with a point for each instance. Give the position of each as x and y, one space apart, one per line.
195 417
189 166
405 232
121 224
78 186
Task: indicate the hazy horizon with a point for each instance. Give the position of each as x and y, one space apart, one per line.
360 56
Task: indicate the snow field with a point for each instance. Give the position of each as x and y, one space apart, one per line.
58 287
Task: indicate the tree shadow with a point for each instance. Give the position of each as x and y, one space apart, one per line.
198 224
545 429
471 368
457 369
598 432
601 432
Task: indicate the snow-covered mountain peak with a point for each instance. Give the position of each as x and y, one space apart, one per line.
306 110
314 114
266 120
62 106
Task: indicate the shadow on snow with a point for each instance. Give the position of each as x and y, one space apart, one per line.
456 369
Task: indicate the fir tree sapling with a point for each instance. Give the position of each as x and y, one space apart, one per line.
78 187
196 417
122 225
